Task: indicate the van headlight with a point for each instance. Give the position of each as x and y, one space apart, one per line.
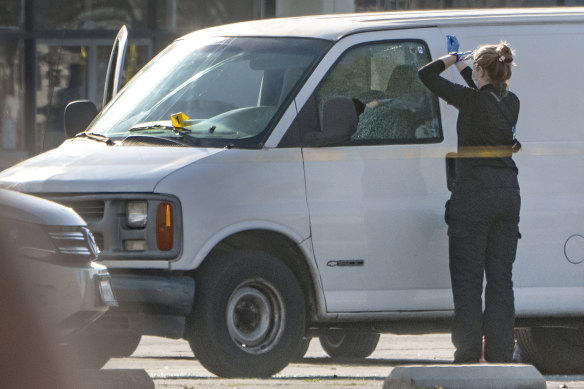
137 213
131 226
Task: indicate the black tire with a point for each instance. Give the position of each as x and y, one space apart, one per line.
348 344
85 358
249 315
552 350
305 343
90 351
121 346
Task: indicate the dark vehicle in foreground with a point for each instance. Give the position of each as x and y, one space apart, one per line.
50 254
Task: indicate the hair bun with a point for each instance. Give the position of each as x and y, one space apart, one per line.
497 60
504 52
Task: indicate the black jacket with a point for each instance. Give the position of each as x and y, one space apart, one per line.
485 135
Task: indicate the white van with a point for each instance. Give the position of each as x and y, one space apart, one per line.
272 210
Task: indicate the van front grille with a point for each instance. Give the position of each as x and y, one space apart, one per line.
90 210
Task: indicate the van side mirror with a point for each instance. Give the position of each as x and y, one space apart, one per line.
78 115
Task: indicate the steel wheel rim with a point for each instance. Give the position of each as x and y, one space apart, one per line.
255 316
335 338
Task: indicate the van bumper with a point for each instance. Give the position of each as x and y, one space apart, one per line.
149 304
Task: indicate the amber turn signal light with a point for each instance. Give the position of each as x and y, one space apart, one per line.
164 227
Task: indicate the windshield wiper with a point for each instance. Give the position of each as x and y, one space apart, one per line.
155 127
189 140
96 137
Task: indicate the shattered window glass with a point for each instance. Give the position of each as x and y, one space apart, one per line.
391 103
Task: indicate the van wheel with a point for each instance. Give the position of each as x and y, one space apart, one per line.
249 315
124 345
552 350
79 356
89 350
305 343
348 344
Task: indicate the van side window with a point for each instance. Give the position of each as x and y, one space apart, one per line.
373 95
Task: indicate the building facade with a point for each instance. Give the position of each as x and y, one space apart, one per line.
56 51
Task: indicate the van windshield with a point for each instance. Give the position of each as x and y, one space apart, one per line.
230 90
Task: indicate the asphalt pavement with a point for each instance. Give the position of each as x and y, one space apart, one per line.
172 365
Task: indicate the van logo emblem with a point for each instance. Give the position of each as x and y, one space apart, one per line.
346 262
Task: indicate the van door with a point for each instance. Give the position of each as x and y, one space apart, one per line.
113 77
375 176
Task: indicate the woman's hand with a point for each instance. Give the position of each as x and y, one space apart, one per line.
452 43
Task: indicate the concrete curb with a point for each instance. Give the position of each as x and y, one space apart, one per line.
465 377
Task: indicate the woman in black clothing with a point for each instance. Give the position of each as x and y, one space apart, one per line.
483 211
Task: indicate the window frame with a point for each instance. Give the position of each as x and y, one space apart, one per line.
376 142
288 132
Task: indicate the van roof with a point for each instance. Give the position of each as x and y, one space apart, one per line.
336 26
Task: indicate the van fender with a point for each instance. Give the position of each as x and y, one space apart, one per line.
304 244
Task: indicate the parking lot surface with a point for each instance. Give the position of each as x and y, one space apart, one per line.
172 365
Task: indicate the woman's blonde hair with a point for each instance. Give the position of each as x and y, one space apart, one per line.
497 61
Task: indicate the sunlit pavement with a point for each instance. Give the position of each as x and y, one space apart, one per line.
171 364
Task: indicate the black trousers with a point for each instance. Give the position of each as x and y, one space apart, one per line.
483 232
